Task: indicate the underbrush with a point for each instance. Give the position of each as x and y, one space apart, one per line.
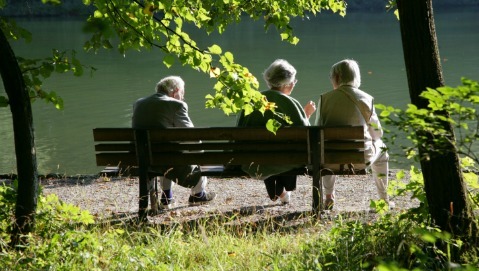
67 238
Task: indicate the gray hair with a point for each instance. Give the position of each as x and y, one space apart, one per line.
279 74
346 72
169 84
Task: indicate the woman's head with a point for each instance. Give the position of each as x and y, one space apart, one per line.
345 72
279 74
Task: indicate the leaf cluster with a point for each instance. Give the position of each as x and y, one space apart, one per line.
428 128
36 71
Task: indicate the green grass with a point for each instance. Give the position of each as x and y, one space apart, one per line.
67 238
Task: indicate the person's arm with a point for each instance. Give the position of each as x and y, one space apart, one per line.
182 119
318 111
375 129
309 109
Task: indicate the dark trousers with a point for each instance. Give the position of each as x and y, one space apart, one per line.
275 185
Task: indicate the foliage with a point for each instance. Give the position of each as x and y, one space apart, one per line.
395 241
66 237
7 207
160 24
454 106
36 71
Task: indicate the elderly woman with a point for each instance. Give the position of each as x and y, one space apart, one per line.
348 105
280 77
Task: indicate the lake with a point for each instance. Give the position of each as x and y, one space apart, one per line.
64 138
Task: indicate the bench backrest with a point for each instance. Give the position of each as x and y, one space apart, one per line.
230 145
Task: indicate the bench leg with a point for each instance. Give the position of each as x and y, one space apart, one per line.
317 193
153 190
143 199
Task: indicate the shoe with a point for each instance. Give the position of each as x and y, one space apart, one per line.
328 204
205 198
286 197
166 204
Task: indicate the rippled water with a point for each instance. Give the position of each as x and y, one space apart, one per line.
64 138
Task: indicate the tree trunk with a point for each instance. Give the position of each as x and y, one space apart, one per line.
20 106
444 184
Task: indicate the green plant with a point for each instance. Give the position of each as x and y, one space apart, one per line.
7 209
455 106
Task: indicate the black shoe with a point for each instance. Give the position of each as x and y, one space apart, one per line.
204 198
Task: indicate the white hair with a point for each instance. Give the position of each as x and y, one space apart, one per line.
170 84
279 74
346 72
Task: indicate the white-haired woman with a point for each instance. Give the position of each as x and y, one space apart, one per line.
346 104
280 77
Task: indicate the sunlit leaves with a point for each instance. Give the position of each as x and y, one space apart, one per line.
13 31
53 2
214 49
168 60
273 125
214 72
428 127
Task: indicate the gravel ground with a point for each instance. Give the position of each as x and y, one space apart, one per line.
118 197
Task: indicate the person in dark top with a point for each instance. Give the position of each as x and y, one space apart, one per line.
280 77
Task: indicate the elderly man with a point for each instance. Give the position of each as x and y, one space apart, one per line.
163 109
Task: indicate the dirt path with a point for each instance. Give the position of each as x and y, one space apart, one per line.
106 197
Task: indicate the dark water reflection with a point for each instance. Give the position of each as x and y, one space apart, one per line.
64 138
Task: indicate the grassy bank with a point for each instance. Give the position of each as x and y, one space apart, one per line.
68 238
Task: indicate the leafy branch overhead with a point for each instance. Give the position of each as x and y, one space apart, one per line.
159 24
35 71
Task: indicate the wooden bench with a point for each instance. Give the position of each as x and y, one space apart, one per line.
322 151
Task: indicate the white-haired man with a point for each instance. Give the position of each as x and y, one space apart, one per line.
166 108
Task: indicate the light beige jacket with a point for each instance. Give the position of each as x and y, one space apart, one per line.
351 106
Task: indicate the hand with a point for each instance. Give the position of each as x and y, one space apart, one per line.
309 108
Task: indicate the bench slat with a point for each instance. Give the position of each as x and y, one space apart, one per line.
228 146
115 147
208 158
344 145
343 132
113 159
228 133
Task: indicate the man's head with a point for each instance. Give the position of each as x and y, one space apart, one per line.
345 72
279 74
174 86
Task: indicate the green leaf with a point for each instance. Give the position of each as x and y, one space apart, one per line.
54 2
273 125
97 14
229 57
214 49
169 60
